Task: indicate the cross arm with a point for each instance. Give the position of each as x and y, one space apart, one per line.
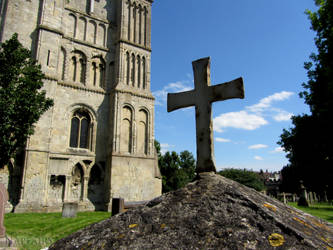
228 90
181 100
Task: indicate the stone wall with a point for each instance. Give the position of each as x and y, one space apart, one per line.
96 57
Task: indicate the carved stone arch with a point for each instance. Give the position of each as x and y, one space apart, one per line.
72 25
126 129
134 18
62 63
82 28
92 31
145 21
144 72
138 70
140 22
82 127
78 65
127 67
77 182
101 31
72 108
82 165
96 186
143 131
97 71
133 70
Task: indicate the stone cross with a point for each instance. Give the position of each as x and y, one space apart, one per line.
3 201
202 97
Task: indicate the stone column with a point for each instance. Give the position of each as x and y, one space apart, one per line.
85 188
67 189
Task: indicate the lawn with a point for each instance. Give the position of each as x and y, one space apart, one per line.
321 210
38 230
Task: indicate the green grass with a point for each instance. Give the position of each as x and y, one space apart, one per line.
39 230
321 210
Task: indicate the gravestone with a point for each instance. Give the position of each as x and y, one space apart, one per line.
5 241
117 206
310 197
202 98
69 209
3 202
303 199
315 197
284 198
294 197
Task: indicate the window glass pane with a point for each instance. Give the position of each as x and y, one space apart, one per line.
84 133
74 132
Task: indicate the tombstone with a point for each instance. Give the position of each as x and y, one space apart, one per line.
3 202
303 199
310 197
117 206
315 197
202 98
4 240
69 209
294 197
284 198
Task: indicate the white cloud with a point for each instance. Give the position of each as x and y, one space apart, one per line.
258 146
240 120
165 147
174 87
219 139
278 150
282 116
258 158
253 116
266 102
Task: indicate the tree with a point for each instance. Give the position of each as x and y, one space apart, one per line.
309 142
245 177
21 100
176 170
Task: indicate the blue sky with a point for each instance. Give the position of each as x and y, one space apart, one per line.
265 42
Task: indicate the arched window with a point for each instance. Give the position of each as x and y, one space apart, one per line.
142 141
97 72
143 73
138 68
133 70
80 130
78 67
71 25
127 71
126 130
62 63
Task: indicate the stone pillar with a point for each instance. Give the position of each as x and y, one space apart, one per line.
67 189
85 188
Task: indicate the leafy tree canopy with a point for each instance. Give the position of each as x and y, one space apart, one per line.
245 177
309 143
177 170
21 100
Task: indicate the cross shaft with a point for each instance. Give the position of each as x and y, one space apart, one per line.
202 97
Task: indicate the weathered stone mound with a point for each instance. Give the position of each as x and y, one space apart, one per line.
210 213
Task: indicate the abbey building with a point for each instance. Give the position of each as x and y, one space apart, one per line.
97 141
